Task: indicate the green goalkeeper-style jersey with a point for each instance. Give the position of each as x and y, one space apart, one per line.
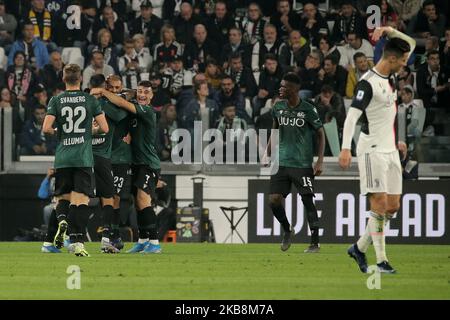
121 151
143 137
101 143
297 127
74 111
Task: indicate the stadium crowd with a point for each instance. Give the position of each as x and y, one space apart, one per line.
219 61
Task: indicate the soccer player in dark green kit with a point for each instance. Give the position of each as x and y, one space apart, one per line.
146 164
101 148
73 111
298 123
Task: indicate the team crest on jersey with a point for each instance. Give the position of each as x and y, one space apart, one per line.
360 95
301 114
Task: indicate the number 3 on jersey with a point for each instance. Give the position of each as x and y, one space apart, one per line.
73 119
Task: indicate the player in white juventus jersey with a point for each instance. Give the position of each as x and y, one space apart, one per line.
379 165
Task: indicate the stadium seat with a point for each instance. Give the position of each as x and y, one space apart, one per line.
72 55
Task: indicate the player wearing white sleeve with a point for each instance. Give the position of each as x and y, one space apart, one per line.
379 165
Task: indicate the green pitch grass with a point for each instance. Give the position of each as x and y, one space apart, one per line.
217 271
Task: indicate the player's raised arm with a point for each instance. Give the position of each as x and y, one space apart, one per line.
393 33
115 99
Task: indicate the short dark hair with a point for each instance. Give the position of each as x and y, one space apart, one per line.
228 104
358 55
432 52
270 56
333 59
355 33
97 81
227 76
327 89
72 74
235 55
145 83
427 3
396 47
292 78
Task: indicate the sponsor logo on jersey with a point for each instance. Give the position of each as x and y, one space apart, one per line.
73 141
293 122
97 141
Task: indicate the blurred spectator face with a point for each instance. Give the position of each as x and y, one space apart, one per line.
200 33
283 7
254 12
114 86
39 115
186 11
227 86
156 82
105 39
329 67
432 43
19 60
384 6
362 64
236 64
56 61
309 10
229 113
354 41
235 37
2 9
139 43
108 13
312 61
447 35
211 69
91 12
176 65
430 12
199 77
324 45
129 49
203 91
270 35
171 113
146 13
220 10
326 95
271 65
406 96
38 5
294 37
41 97
169 35
433 62
5 95
28 32
347 10
97 60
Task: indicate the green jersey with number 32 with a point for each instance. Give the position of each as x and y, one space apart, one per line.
74 111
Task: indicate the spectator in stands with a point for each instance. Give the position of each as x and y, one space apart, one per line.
405 77
388 17
110 21
362 65
167 136
354 45
43 23
285 19
269 83
431 44
328 48
8 100
410 167
106 46
406 9
157 6
46 191
312 24
39 98
219 24
145 59
213 74
35 51
97 66
235 45
200 108
349 20
445 48
412 114
167 48
229 121
309 75
199 50
174 77
270 44
33 141
242 75
252 25
293 52
20 79
51 74
333 75
229 92
147 24
185 22
427 22
160 96
129 67
8 25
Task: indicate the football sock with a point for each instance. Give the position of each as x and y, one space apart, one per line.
108 212
364 241
152 232
280 214
315 236
82 216
143 222
73 224
52 227
115 222
313 218
62 210
376 227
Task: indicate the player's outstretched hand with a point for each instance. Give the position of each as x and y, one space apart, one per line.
379 32
318 169
345 158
